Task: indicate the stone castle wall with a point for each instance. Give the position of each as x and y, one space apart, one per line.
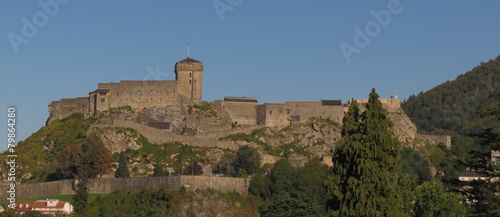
137 94
436 139
104 186
280 114
162 136
389 104
65 107
244 113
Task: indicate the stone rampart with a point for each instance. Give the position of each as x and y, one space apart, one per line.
389 104
162 136
104 186
65 107
280 114
223 133
243 113
436 139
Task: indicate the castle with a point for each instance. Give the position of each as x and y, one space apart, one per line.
186 89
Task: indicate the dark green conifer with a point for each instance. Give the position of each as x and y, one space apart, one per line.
366 180
122 171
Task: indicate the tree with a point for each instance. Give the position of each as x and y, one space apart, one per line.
91 159
366 179
194 169
432 200
259 186
65 162
484 193
35 214
122 171
248 158
414 166
88 161
159 170
9 213
80 199
294 192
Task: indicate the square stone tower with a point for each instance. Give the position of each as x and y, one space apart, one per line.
189 76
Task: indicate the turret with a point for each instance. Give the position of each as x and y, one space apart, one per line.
189 75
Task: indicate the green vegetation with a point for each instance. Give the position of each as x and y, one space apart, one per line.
414 166
485 192
253 137
290 191
169 203
467 110
366 179
38 154
453 107
247 161
159 170
283 150
323 122
175 154
122 171
205 108
432 199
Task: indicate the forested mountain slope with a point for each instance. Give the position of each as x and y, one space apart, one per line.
455 105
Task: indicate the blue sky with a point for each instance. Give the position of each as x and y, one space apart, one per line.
276 51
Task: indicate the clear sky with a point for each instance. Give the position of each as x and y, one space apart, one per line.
276 51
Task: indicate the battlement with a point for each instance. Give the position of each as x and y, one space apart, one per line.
389 104
281 114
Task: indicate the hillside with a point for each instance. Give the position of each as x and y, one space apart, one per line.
454 105
37 155
123 130
454 108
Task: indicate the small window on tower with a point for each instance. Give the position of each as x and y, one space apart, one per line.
190 74
103 100
189 81
151 100
150 92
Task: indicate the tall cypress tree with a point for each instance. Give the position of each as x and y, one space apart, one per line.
366 180
122 171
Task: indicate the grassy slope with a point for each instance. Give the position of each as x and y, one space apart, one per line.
37 155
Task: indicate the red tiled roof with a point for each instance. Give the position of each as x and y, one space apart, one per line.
43 204
23 206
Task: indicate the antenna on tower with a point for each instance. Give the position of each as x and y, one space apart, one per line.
189 49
